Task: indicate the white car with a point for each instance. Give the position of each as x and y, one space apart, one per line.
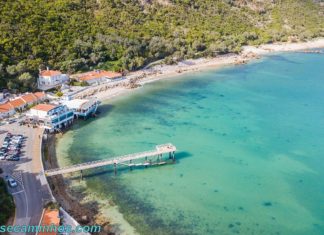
12 183
5 145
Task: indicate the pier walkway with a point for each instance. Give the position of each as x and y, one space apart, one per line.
122 160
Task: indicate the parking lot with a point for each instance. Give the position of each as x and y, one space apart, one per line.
12 157
21 163
12 145
19 147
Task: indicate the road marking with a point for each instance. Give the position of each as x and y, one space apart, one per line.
22 184
17 192
17 176
26 204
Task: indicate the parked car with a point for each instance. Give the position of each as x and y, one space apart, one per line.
12 183
2 156
12 148
15 144
13 152
13 157
17 138
5 145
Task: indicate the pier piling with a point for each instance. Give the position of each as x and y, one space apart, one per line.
115 168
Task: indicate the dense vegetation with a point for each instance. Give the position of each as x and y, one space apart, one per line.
7 207
76 35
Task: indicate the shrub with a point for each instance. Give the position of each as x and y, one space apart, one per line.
59 93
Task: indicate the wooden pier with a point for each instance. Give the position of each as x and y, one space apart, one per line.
126 160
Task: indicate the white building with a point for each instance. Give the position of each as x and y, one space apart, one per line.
49 79
82 107
51 117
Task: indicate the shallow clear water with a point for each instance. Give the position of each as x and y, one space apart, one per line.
250 150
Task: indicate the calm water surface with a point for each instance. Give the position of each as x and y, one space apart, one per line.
251 152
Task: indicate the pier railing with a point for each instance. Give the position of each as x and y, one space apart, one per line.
122 160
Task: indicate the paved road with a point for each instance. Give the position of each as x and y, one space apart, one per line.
32 191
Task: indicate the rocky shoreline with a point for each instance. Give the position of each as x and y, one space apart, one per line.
85 213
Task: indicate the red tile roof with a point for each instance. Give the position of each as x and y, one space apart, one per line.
29 98
49 73
5 107
98 74
40 95
50 217
17 103
21 101
44 107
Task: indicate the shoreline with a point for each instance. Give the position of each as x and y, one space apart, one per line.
159 72
69 199
72 201
84 206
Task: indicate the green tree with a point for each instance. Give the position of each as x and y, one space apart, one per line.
26 79
75 35
7 206
11 70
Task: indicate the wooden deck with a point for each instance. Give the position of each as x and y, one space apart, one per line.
122 160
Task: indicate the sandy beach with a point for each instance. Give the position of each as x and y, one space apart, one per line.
284 47
138 78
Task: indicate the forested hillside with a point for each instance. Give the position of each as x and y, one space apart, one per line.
76 35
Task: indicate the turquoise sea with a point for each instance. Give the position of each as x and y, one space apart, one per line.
250 156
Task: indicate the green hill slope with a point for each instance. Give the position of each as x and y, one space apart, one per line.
75 35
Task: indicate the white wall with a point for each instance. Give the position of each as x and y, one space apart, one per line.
7 114
38 113
52 80
97 80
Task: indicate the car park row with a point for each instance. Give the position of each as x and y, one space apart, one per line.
11 147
